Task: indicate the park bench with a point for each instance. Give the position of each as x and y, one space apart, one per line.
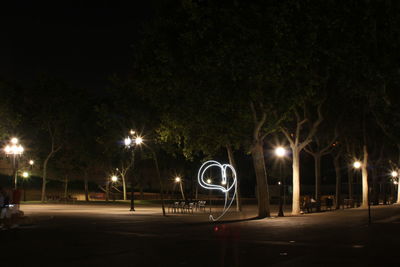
174 207
201 205
190 207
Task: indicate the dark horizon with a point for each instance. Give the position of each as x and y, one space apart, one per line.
83 43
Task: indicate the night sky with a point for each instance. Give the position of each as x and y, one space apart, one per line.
77 41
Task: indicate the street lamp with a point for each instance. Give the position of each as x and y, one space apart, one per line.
357 164
114 178
209 181
129 143
15 150
138 140
280 152
179 180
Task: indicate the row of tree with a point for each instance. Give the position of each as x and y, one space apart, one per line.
230 74
209 76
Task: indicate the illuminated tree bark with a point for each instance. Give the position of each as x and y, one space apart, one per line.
398 191
296 181
364 173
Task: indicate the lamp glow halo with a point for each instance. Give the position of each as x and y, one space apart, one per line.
224 189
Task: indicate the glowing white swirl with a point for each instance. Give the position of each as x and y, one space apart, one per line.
224 189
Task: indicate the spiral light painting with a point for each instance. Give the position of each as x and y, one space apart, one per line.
225 187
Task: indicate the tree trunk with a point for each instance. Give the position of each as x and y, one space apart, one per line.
123 186
86 189
43 198
233 163
374 189
261 177
317 170
350 181
364 172
398 178
296 181
336 163
66 187
398 193
141 192
107 191
160 182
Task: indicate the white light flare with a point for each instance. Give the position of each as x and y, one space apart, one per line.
127 141
357 164
280 151
138 140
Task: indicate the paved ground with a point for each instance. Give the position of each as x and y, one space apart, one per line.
110 235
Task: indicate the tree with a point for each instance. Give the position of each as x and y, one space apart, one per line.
49 106
297 144
317 151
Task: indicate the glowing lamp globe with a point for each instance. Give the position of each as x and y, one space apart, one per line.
138 140
357 164
280 151
127 141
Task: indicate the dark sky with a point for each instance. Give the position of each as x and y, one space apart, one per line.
77 41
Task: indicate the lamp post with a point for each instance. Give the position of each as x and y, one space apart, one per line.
129 143
179 181
138 140
25 175
209 181
280 152
113 179
15 150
